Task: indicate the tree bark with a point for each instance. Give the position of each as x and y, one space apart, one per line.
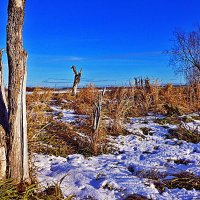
3 100
3 122
17 57
3 163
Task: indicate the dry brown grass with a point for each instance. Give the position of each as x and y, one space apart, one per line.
139 101
117 105
64 100
185 98
165 99
85 99
49 135
45 133
135 197
151 174
185 180
42 128
84 103
10 191
37 115
184 132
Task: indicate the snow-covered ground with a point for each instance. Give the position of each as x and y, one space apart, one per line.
68 116
117 175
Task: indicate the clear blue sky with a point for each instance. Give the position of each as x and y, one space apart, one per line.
113 40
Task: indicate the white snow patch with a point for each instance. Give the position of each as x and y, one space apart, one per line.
114 176
69 116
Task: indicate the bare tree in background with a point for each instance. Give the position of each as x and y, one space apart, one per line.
192 76
185 54
77 79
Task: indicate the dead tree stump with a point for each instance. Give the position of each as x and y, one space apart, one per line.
77 79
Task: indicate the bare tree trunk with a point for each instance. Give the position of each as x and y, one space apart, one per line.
3 122
77 79
17 58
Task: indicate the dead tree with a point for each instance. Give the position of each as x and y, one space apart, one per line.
77 79
96 121
17 148
3 122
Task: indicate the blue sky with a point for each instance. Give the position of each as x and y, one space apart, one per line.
112 40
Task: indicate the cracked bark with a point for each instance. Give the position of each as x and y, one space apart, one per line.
17 155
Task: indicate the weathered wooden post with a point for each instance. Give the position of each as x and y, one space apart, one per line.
96 121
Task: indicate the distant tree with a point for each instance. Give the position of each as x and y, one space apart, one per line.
192 75
185 54
77 79
13 129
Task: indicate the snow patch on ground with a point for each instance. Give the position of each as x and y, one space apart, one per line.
114 176
69 116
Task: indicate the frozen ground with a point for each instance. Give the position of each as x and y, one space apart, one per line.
114 176
68 116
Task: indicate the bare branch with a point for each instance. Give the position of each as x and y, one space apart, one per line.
74 69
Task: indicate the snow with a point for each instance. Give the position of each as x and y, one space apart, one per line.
53 91
69 116
114 176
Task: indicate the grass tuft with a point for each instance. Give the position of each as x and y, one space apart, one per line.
185 180
184 132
